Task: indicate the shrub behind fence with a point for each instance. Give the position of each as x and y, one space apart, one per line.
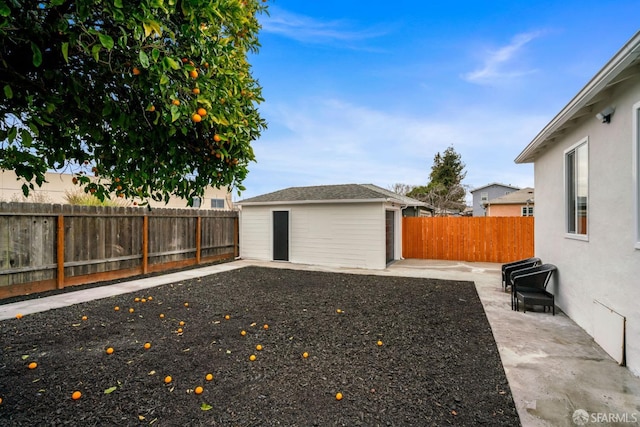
44 246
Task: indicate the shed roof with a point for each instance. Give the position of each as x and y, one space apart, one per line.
341 193
519 197
624 65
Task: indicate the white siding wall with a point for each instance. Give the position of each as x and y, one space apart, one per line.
337 235
606 268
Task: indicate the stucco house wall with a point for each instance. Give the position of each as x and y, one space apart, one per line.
59 184
597 278
336 235
504 210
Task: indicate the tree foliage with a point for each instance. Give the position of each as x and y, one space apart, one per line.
154 97
444 191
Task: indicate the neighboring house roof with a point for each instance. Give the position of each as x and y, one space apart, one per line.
621 67
520 197
494 184
343 193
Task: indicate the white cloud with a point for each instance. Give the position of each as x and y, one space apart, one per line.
498 64
331 141
310 30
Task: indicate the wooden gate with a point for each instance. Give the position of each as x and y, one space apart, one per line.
474 239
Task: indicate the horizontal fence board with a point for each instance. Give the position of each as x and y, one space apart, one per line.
104 243
473 239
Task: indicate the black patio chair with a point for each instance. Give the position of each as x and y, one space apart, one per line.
531 282
510 267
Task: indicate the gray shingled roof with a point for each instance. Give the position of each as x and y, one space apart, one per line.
342 192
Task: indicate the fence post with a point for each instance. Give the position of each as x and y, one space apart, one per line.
236 232
145 244
60 252
198 238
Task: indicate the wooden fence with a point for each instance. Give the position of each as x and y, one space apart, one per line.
45 247
476 239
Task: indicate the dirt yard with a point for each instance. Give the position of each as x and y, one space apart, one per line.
400 351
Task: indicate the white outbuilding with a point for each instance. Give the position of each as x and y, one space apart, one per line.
349 225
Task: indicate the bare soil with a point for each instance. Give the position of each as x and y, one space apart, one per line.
438 363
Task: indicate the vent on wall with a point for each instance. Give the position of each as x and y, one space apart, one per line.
609 331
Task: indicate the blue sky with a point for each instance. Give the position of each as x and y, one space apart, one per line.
369 91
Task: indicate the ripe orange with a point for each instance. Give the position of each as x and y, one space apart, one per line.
198 390
179 330
176 102
147 345
259 347
168 379
116 308
217 138
196 91
379 343
136 71
227 317
136 299
181 323
202 112
266 326
185 60
338 311
76 395
131 310
186 304
196 118
151 108
193 74
110 350
0 401
208 377
19 316
243 333
338 396
252 357
305 354
33 365
161 316
150 298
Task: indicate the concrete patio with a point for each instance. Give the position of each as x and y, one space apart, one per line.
558 375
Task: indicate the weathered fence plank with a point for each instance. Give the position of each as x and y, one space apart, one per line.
45 246
475 239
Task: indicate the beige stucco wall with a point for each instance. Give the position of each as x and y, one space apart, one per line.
57 185
605 268
504 210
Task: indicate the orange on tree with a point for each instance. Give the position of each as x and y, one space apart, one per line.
175 102
136 71
196 118
196 91
202 111
193 74
217 138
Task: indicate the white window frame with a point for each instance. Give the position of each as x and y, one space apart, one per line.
575 235
635 172
526 211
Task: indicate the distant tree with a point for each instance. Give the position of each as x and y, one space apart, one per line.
444 191
400 188
153 97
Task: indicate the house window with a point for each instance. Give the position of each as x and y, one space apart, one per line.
217 203
484 197
577 188
196 202
636 171
527 210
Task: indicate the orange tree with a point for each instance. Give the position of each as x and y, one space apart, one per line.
153 97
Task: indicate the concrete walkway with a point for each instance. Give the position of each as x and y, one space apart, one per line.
556 371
